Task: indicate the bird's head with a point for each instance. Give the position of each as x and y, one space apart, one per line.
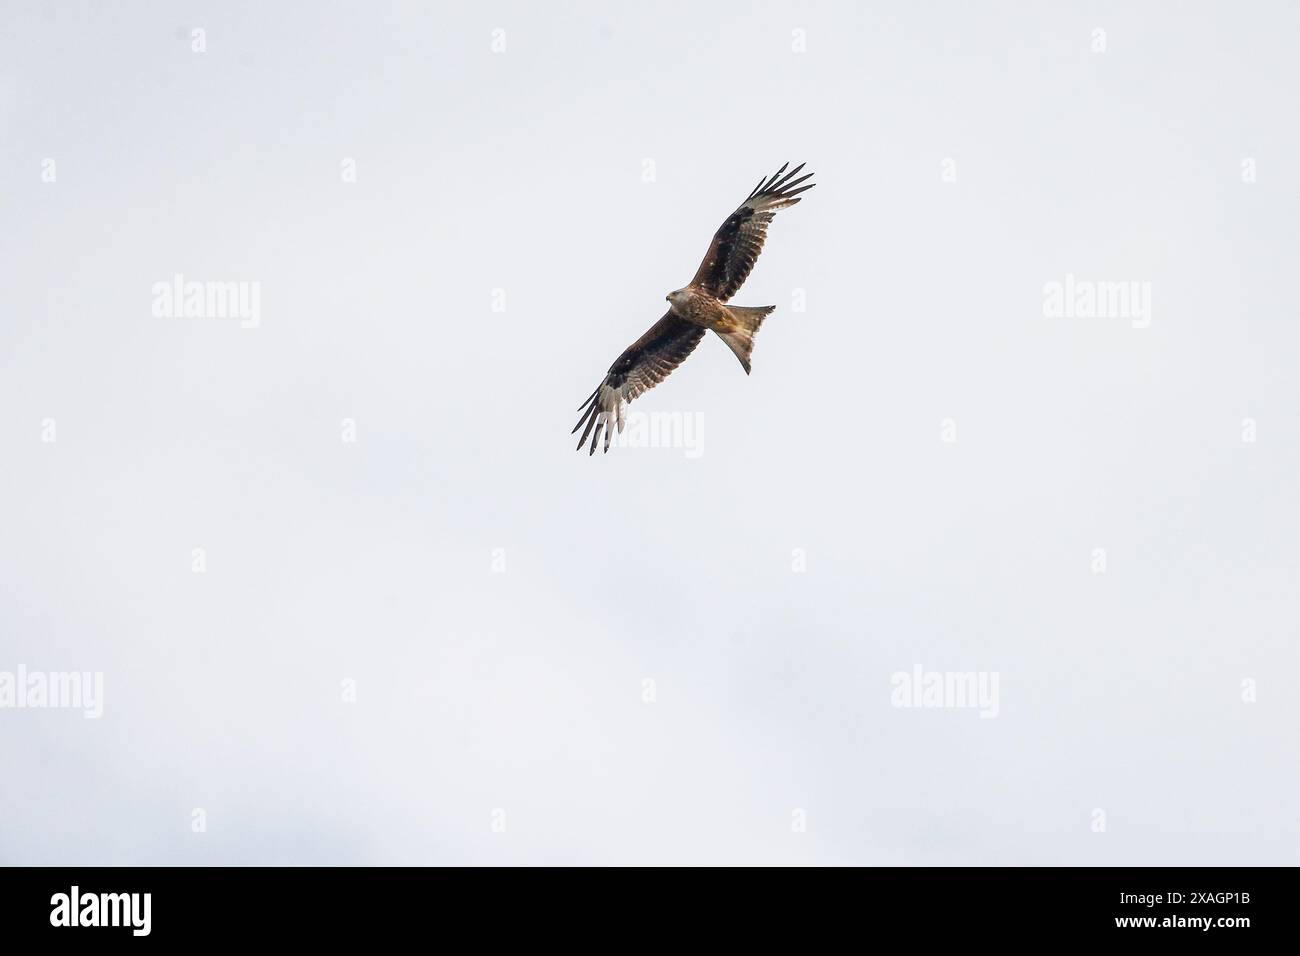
677 296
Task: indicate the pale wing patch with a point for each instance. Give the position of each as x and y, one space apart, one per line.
645 364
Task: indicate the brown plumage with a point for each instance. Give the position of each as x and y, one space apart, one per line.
695 308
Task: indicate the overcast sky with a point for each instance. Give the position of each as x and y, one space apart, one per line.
355 598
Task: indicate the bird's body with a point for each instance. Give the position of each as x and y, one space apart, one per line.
701 305
698 308
734 324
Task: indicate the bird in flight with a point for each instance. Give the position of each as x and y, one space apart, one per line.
695 308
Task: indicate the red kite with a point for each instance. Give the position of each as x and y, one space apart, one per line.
699 306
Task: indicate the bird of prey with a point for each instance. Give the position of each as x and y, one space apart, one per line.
695 308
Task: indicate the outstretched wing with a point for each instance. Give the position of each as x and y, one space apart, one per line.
646 363
738 242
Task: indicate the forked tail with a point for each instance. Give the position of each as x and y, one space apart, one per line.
740 336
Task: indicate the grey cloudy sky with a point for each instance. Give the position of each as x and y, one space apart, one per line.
1112 531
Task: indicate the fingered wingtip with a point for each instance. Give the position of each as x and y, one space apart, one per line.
782 184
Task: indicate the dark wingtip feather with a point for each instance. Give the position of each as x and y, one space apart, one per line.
775 176
791 183
590 420
789 176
